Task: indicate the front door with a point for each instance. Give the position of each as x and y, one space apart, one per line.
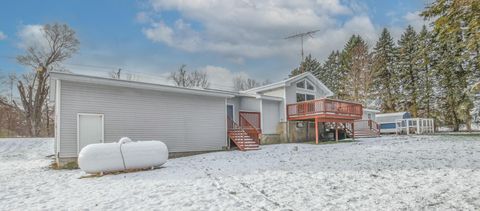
90 129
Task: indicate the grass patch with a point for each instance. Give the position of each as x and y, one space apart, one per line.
68 166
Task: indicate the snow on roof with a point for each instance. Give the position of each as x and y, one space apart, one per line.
135 84
392 114
287 82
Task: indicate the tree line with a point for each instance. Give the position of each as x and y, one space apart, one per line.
429 73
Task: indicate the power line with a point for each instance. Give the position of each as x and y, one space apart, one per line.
126 71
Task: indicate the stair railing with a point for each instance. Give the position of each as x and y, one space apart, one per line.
250 129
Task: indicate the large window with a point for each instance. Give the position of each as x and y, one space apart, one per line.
300 97
301 85
310 86
303 97
305 84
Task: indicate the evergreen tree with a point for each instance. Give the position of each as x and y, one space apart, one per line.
310 64
425 56
452 75
356 68
408 71
386 78
330 73
456 26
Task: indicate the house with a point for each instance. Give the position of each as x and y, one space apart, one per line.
92 109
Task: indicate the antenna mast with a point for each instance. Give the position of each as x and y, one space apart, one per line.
302 36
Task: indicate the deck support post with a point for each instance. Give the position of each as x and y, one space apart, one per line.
336 132
408 127
316 130
353 131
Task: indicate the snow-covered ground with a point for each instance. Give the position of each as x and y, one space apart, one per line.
423 172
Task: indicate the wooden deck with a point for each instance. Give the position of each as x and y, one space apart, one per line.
325 110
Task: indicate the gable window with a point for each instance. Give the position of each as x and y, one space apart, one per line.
305 84
301 84
310 86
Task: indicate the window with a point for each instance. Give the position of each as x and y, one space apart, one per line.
300 97
304 84
310 86
303 97
301 84
310 97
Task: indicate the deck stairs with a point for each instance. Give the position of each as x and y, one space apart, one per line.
245 138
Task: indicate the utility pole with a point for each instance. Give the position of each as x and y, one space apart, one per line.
118 73
302 36
11 78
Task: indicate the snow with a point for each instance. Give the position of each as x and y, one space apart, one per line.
415 172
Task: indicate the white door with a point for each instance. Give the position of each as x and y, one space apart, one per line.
90 129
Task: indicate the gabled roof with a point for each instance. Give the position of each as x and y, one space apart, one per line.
287 82
135 84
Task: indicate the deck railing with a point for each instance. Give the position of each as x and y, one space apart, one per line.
330 107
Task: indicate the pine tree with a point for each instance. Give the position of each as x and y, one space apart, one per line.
386 77
456 26
310 64
425 57
452 76
408 71
330 73
356 68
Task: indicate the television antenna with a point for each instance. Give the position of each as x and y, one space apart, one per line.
302 36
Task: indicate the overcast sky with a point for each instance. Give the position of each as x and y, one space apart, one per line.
223 37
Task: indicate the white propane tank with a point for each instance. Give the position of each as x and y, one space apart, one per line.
123 155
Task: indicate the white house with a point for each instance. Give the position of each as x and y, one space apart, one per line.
92 109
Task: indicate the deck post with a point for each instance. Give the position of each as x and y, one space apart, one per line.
336 132
408 127
316 130
353 131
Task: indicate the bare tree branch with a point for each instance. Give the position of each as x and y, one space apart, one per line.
189 79
61 44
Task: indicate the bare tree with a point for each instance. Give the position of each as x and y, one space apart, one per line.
60 44
183 78
241 83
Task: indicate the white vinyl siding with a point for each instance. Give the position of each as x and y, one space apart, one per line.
184 122
279 92
250 104
271 116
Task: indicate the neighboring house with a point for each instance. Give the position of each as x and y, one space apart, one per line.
99 110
